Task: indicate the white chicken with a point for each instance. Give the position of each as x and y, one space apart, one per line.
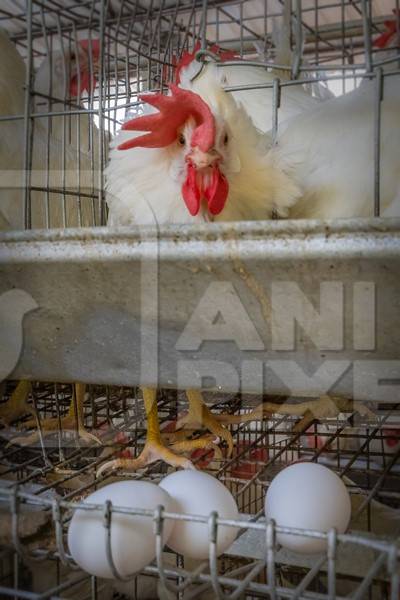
55 166
64 74
11 104
331 152
194 150
214 165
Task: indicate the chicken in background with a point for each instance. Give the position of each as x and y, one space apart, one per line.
377 450
70 74
258 102
387 44
54 165
65 75
11 104
330 151
331 148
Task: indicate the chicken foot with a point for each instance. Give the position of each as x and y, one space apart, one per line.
200 416
309 411
205 442
154 448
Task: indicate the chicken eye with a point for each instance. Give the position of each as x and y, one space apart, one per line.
181 140
226 139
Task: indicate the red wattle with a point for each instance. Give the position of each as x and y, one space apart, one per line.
217 192
191 192
88 81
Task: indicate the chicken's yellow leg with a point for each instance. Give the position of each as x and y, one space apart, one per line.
17 405
73 421
310 410
200 416
154 448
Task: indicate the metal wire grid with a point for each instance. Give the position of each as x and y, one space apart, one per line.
354 448
387 557
139 42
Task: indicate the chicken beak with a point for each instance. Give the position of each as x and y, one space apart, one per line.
202 160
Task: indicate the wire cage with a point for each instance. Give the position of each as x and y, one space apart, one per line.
58 130
48 478
65 118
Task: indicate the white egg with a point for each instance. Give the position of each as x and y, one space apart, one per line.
132 537
307 496
197 493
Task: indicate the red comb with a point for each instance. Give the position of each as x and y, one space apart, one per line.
95 46
174 111
391 30
223 55
87 79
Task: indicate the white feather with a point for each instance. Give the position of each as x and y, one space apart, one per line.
12 81
334 146
52 79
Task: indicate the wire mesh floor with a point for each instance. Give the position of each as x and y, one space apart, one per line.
62 467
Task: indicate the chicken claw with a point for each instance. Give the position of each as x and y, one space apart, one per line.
206 442
152 452
200 416
319 408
